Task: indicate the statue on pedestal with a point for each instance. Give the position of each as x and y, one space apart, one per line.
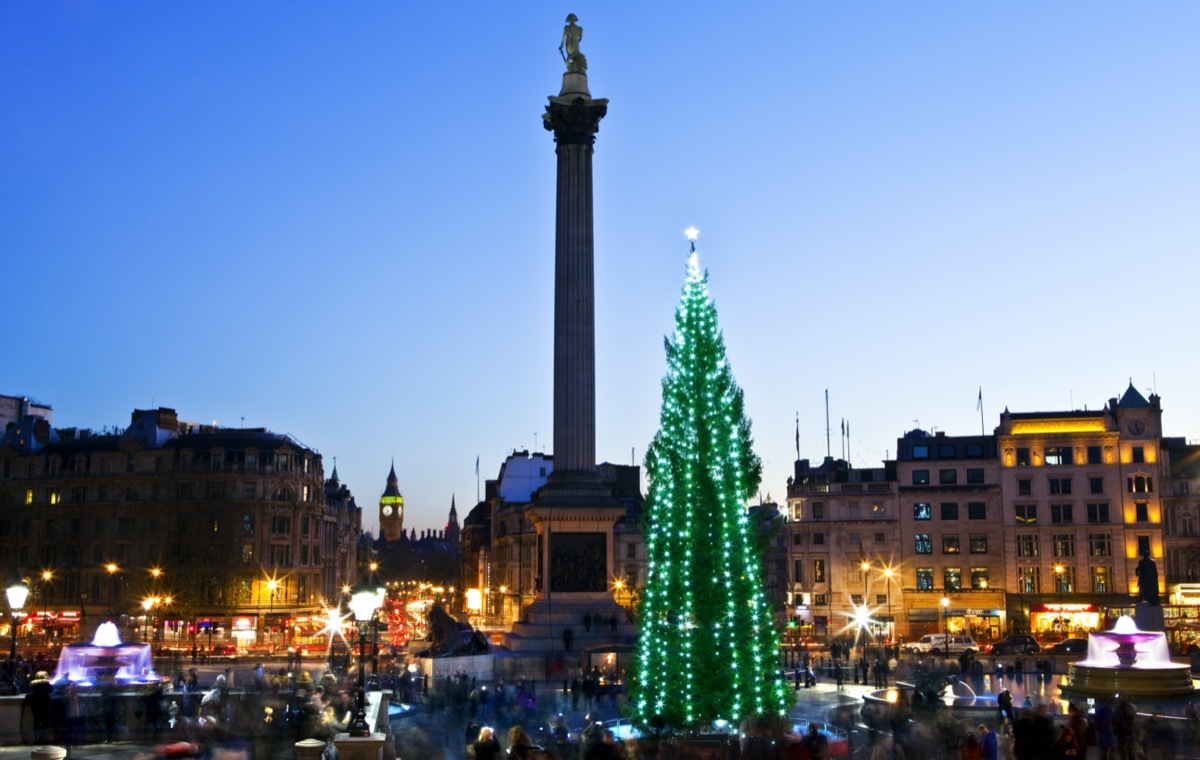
1147 573
569 47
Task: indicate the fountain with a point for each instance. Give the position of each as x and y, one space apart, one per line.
1130 662
106 659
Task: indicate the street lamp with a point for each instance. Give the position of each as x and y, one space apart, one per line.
945 629
1059 577
364 602
865 567
18 592
887 573
272 584
112 569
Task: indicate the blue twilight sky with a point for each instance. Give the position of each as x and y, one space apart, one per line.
336 220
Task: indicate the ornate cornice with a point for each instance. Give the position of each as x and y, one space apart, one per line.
575 123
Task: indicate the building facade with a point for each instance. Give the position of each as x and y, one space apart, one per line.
1036 528
237 528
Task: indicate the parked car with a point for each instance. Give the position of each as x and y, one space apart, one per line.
1068 646
940 643
1022 644
224 652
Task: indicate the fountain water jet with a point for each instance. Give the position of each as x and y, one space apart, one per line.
1128 661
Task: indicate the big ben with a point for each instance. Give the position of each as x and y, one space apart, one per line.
391 509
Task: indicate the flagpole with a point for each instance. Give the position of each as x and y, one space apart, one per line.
981 430
477 479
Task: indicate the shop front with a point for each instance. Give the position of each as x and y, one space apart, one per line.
1052 621
983 624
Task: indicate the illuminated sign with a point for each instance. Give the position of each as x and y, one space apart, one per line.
1064 608
1034 427
243 623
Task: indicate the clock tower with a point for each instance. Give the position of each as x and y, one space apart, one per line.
391 509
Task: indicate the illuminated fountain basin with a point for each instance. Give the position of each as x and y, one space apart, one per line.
1129 662
106 659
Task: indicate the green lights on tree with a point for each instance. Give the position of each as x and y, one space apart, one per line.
708 649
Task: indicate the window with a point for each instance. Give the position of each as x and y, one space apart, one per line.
1097 513
1064 579
1023 457
281 555
303 554
976 510
974 449
1024 486
952 578
1061 513
1093 455
818 571
920 477
922 511
947 477
251 462
818 539
820 600
53 495
946 451
920 452
248 491
247 554
1095 485
125 526
923 543
881 599
248 524
218 460
1028 580
950 545
881 538
924 579
1139 454
818 510
281 525
798 539
1027 545
1059 486
304 526
1141 511
183 490
979 543
1064 544
1056 456
856 600
630 550
853 539
1099 545
974 474
1026 514
979 578
950 510
79 494
1143 545
1140 484
798 571
1101 580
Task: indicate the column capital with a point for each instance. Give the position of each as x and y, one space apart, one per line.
574 121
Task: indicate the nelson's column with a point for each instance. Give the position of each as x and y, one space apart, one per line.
573 513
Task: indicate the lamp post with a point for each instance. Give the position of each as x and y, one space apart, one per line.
945 629
112 569
272 584
865 567
887 573
364 602
17 592
1059 577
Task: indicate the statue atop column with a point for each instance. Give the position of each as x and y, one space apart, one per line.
569 47
1147 574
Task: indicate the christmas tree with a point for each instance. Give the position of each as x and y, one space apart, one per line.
708 649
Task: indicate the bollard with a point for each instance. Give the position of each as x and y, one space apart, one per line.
309 749
48 752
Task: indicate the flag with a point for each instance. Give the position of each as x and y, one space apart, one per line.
476 466
797 435
979 403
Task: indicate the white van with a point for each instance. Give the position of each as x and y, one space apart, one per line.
939 643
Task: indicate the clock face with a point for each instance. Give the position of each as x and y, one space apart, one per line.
387 511
1137 427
